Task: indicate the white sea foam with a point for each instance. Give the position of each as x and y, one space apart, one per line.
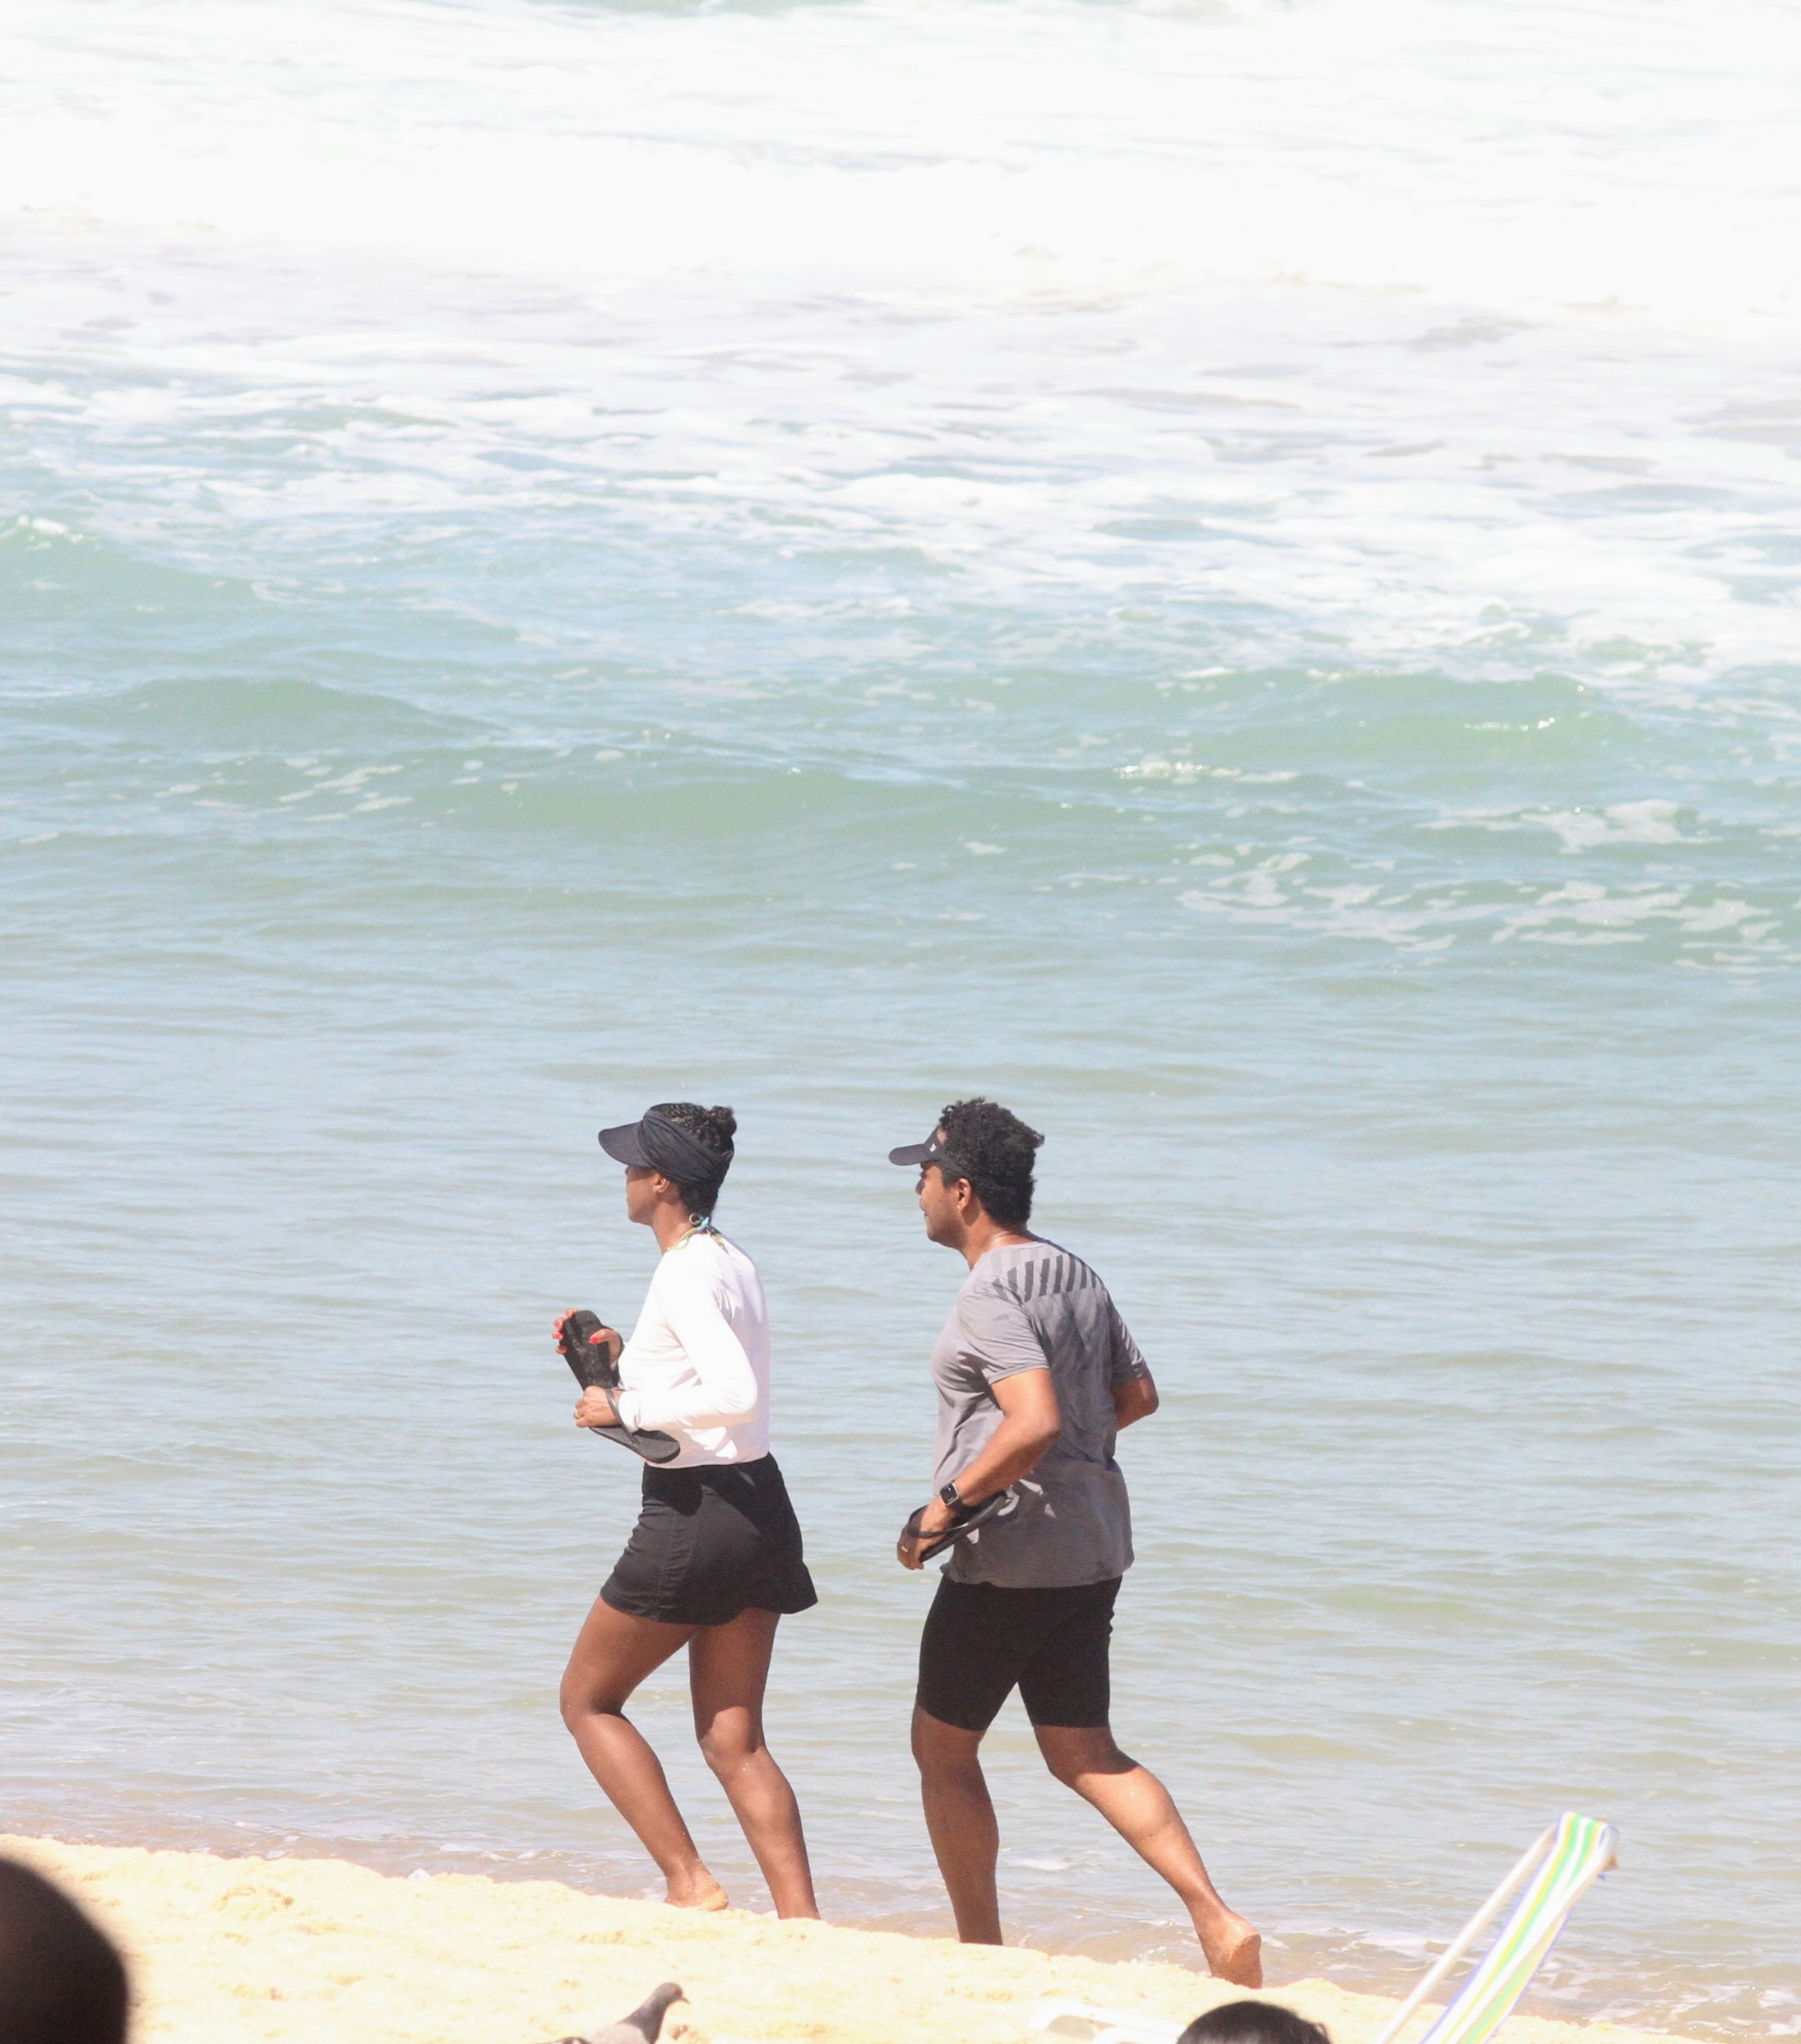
1457 335
1607 154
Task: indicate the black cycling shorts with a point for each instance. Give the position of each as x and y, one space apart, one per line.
981 1642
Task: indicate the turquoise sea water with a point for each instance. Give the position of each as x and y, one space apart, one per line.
1226 576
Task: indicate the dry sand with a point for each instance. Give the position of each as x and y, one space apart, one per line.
244 1949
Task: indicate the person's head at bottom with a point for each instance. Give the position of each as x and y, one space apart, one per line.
61 1980
1253 2023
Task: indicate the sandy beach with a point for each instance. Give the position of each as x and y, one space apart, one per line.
286 1949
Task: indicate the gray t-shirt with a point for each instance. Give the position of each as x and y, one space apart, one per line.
1029 1305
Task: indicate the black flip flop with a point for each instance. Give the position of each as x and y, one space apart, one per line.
958 1529
594 1370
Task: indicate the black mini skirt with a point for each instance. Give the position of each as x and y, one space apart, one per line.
712 1541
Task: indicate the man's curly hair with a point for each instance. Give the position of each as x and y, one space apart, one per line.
994 1150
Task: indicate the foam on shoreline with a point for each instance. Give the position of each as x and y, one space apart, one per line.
283 1950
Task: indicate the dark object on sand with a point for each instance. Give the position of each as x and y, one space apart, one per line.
60 1982
643 2026
959 1528
594 1368
1254 2022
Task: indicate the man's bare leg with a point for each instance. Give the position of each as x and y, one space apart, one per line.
960 1819
1139 1808
614 1653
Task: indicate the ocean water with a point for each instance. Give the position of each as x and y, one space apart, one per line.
1225 574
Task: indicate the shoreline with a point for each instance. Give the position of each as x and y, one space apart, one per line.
281 1950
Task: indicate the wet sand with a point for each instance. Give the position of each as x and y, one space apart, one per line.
240 1950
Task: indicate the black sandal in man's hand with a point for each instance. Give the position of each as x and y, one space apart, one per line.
963 1521
595 1369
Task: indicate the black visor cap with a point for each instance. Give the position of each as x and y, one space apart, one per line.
654 1143
931 1152
625 1144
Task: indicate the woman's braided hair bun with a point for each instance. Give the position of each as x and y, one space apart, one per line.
714 1129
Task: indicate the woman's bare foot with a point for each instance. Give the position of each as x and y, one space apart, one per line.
1233 1952
698 1890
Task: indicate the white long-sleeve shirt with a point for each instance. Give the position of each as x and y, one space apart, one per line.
697 1364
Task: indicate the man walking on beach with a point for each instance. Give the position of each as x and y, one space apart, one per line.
1036 1373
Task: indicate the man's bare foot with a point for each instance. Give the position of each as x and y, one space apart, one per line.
1234 1952
700 1891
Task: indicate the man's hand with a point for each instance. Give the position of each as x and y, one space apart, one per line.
910 1549
1031 1422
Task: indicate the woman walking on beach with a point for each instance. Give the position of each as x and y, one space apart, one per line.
715 1558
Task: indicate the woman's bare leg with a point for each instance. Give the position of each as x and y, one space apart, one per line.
728 1668
612 1654
1138 1807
